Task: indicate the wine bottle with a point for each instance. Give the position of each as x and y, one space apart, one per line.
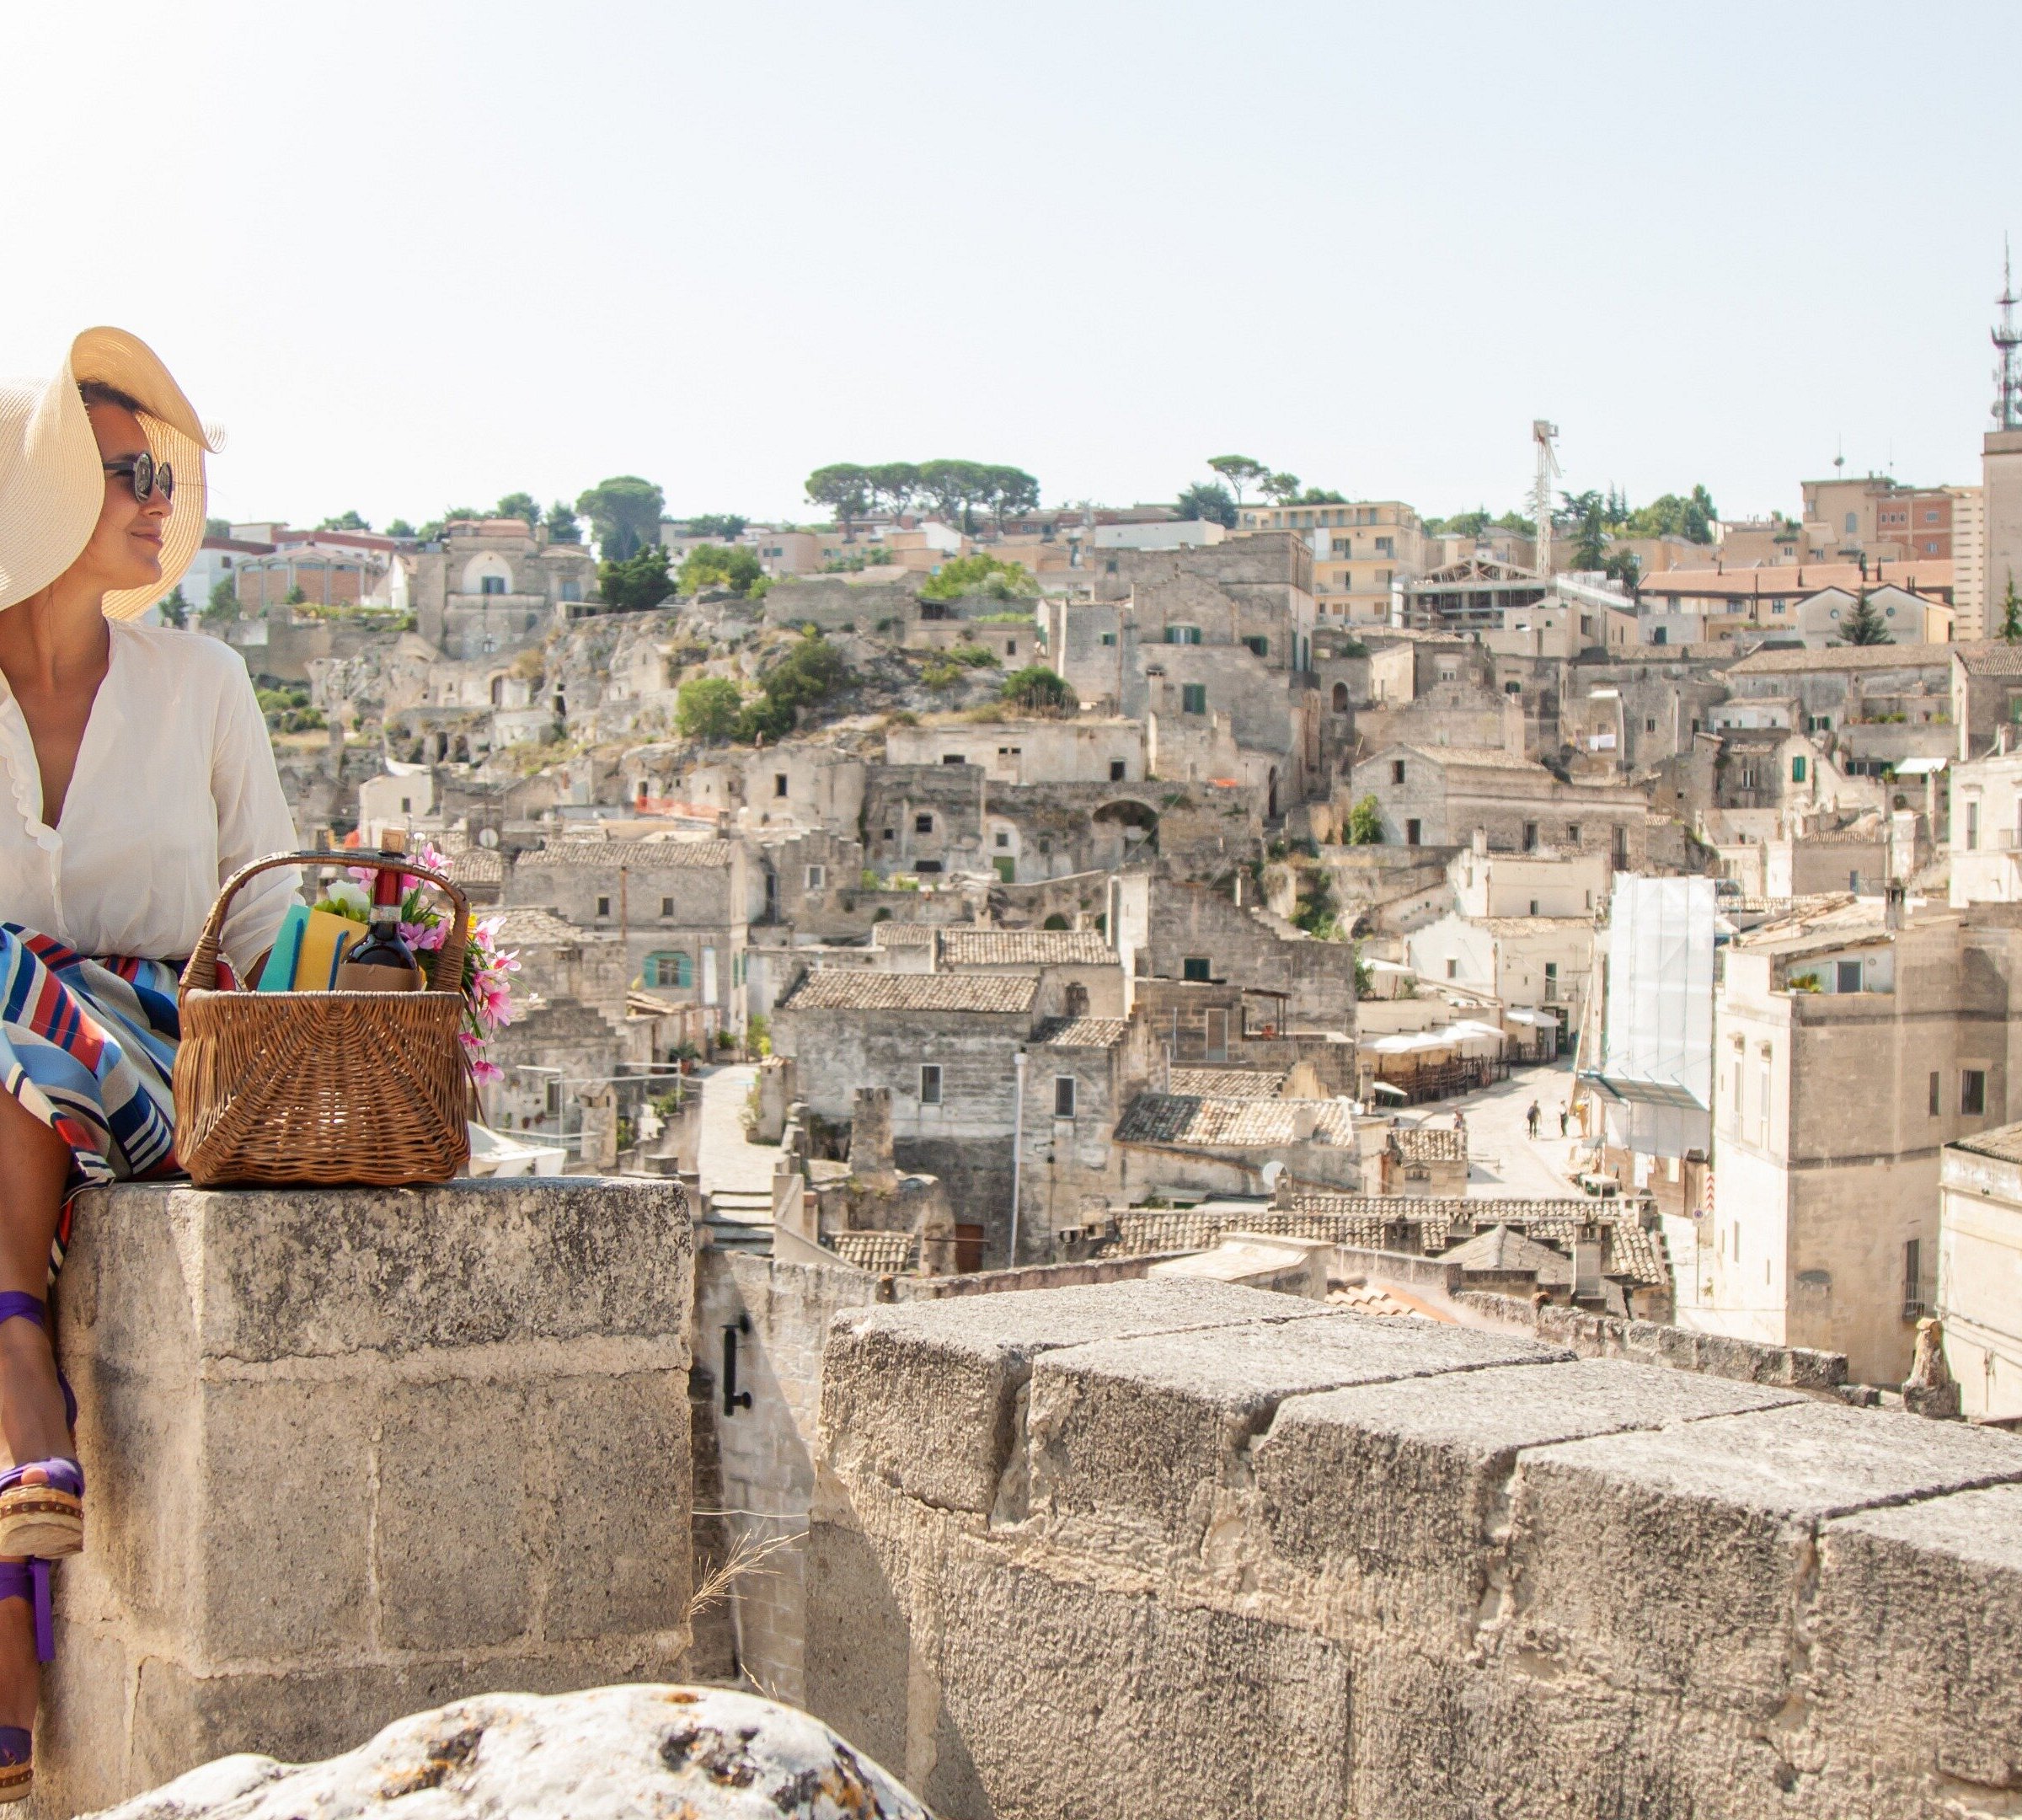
379 961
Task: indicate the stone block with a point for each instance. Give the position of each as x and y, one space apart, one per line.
1916 1638
923 1393
1056 1697
353 1452
1397 1492
1675 1557
447 1585
1143 1430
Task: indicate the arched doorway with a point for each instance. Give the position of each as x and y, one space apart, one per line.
1341 698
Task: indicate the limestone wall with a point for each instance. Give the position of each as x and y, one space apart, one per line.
1155 1547
351 1452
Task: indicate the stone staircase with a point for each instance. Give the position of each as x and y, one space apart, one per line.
739 1219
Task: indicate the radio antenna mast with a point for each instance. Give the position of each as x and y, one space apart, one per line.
2007 382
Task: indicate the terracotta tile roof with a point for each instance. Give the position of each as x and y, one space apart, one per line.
1631 1251
887 1253
1846 657
1372 1299
2003 1143
642 856
1170 1118
852 989
521 927
1504 1250
1082 1032
477 865
1031 947
1429 1143
903 936
1228 1083
1987 657
1795 581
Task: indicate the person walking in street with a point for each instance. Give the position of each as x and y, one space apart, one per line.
1565 1118
1530 1118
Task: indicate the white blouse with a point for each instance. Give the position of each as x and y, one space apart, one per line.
176 789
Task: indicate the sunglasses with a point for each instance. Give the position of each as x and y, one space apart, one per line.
146 474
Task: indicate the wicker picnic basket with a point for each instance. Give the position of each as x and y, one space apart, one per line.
326 1087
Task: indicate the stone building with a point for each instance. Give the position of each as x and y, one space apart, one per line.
1193 935
1850 1045
1443 796
1979 1282
1542 964
944 1045
491 586
682 908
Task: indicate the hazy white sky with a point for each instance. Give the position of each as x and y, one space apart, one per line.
416 255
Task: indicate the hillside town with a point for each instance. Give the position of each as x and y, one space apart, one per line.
1626 913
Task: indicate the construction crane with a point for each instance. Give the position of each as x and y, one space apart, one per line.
1542 434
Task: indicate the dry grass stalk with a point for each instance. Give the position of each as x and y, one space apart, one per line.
748 1556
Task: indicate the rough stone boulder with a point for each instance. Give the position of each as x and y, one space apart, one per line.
685 1753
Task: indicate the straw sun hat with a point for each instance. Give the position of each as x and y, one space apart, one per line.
52 488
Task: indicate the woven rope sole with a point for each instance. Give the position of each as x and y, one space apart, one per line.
40 1520
16 1782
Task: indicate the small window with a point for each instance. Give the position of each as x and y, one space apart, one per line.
1397 770
1534 907
922 824
1063 1096
930 1084
1530 837
491 584
1193 698
1972 1092
885 834
817 878
1937 1100
667 907
1411 833
1110 638
672 967
1261 646
1011 647
1649 723
1846 976
1004 837
780 784
955 757
1572 834
407 805
925 866
603 906
1116 770
1453 969
1183 634
1797 769
1197 967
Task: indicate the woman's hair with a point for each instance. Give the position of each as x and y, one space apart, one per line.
97 392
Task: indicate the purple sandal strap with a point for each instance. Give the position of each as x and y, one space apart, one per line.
17 1305
17 1747
30 1580
64 1475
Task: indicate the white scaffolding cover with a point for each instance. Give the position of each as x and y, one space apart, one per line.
1655 1075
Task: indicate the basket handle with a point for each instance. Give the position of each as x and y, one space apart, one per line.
446 972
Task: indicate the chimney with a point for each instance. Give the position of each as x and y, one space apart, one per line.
1586 1264
1305 1115
1893 897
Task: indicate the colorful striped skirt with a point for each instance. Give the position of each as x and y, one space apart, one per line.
88 1047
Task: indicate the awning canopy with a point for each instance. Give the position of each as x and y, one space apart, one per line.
1642 1092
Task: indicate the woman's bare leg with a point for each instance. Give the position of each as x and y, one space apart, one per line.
35 1165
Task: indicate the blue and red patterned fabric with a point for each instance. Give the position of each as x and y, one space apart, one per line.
88 1047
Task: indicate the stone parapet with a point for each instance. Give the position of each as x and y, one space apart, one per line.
1152 1548
354 1451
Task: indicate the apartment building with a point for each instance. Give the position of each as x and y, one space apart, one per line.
1360 551
1850 1046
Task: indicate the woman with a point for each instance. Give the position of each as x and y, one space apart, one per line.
136 775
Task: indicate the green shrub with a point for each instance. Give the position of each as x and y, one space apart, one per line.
1039 689
708 707
973 656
